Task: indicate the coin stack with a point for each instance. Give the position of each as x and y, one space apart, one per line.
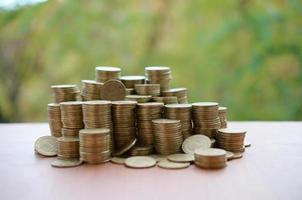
148 89
71 113
105 73
123 116
180 93
205 118
68 148
181 112
71 132
130 81
95 145
159 75
167 136
54 119
146 112
166 100
62 93
230 140
210 158
139 98
129 91
91 90
222 112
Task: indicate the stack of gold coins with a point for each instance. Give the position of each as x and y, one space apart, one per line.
68 148
139 98
124 121
91 90
210 158
167 136
166 100
146 112
222 112
54 119
105 73
140 150
159 75
148 89
62 93
181 112
95 145
130 81
130 91
180 93
230 140
71 113
71 132
205 118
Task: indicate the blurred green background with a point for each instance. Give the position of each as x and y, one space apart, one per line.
245 54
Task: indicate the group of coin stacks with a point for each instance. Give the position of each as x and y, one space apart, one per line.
137 121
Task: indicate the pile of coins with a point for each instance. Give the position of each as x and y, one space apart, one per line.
131 81
146 112
68 148
210 158
106 73
148 89
91 90
230 140
54 119
205 118
181 112
168 136
95 145
180 93
124 125
222 112
62 93
71 113
166 100
159 75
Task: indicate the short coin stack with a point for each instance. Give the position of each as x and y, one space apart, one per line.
230 140
205 118
54 119
91 90
130 81
95 145
168 136
148 89
222 111
106 73
62 93
71 113
181 112
146 112
70 132
210 158
166 100
68 148
180 93
159 75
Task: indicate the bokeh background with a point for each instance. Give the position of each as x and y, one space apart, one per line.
245 54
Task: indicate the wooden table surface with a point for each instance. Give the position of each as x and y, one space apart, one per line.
270 169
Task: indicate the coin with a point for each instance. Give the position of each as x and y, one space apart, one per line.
125 148
181 157
139 98
46 146
140 162
113 90
64 163
158 75
63 93
237 156
210 158
118 160
158 157
229 155
105 73
166 164
195 142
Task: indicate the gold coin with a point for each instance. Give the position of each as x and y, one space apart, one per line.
113 90
118 160
210 152
181 158
63 163
195 142
166 164
46 146
140 162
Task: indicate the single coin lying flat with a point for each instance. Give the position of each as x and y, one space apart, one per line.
166 164
60 163
181 158
118 160
140 162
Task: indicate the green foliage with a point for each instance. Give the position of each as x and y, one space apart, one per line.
245 54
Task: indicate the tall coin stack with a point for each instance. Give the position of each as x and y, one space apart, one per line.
205 118
91 90
130 81
71 113
68 148
106 73
97 114
222 111
95 145
54 119
167 136
159 75
210 158
181 112
146 112
148 89
62 93
180 93
124 121
230 140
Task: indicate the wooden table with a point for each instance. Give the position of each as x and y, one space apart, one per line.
270 169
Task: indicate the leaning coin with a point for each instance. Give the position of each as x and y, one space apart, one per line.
60 163
118 160
46 146
166 164
195 142
181 158
140 162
